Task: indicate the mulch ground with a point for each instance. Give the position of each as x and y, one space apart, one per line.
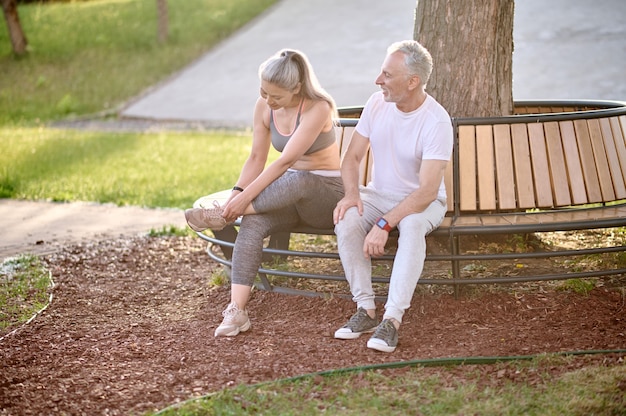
130 330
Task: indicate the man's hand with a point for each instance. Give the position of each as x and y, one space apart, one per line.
344 204
374 244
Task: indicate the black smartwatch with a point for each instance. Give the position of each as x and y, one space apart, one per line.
383 224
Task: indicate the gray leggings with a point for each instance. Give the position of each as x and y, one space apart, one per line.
297 197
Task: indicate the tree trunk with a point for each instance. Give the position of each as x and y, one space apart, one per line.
18 39
471 43
163 20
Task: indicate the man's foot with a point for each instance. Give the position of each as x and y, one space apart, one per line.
199 219
235 321
359 323
385 337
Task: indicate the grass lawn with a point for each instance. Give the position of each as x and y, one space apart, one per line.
152 170
90 56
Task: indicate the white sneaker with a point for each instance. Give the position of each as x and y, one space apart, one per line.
235 321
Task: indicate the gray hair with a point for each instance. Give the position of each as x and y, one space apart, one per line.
289 67
416 57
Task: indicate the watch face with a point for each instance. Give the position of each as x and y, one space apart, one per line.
382 223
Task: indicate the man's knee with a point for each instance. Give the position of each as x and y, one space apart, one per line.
350 220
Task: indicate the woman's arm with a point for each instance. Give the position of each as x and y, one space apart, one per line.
261 141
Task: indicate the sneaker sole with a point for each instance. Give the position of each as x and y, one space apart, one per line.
351 335
379 345
235 331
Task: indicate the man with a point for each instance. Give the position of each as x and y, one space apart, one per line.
410 135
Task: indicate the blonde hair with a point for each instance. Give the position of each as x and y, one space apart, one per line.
288 68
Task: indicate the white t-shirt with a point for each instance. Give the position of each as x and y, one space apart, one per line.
400 141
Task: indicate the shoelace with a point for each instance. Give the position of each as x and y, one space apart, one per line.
356 318
230 312
214 213
385 330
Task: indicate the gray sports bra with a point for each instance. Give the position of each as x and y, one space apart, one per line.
279 141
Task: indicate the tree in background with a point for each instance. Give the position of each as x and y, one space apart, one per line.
471 43
18 39
162 20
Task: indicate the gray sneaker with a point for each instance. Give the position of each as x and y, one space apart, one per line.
199 219
385 338
359 323
235 321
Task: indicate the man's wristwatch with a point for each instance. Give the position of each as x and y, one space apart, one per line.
383 224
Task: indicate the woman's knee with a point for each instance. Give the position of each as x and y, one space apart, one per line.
255 225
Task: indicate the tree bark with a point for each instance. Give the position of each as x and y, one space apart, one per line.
163 20
471 43
18 39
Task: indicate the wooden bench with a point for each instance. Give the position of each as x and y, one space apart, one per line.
554 166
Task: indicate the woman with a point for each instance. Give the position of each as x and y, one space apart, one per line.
296 116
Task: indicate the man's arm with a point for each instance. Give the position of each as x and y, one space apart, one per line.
350 167
431 175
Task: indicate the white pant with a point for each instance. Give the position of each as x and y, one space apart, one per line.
409 259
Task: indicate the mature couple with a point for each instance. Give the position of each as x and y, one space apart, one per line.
410 135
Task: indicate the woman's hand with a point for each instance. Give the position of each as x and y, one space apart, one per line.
235 207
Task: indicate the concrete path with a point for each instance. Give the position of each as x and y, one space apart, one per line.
43 227
564 49
572 49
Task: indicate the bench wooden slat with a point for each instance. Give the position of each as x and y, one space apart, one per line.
546 218
368 165
467 168
587 159
504 167
486 168
448 179
574 169
601 161
618 126
523 171
541 167
617 177
344 135
558 168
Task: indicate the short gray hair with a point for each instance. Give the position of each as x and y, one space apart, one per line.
416 57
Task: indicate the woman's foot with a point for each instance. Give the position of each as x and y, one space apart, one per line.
235 321
199 219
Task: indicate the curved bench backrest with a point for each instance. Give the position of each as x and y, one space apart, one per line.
549 155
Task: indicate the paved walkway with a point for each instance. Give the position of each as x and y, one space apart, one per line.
43 227
563 49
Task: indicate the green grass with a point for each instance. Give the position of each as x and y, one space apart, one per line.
443 391
153 170
24 284
91 56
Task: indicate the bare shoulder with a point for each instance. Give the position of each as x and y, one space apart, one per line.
261 113
320 106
